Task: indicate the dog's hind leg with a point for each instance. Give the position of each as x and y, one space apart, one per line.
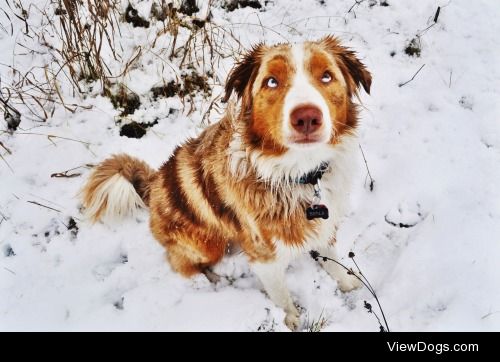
194 253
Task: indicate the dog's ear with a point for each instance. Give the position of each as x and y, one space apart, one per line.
352 68
243 72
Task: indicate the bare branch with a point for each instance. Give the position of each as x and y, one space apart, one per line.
414 75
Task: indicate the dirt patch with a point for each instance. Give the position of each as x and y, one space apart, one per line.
195 83
190 85
413 49
72 227
136 129
232 5
198 23
189 7
124 99
168 90
12 117
132 17
119 304
8 251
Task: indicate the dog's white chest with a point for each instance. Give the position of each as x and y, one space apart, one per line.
327 227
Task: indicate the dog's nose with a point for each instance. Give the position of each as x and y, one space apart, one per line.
306 119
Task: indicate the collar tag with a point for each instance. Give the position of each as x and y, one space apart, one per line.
317 211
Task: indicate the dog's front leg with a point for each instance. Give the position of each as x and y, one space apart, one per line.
345 281
272 277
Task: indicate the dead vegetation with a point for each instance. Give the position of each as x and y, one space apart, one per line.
317 324
11 115
167 91
123 98
85 30
414 47
84 42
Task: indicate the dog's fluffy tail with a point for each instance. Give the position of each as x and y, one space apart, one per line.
116 188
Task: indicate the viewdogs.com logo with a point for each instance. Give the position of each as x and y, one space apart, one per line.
437 348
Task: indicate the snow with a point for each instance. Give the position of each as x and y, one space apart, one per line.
432 146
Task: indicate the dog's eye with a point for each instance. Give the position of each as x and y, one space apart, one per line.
326 78
272 82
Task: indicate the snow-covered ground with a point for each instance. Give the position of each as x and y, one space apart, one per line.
432 146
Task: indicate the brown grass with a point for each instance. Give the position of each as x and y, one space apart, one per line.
83 37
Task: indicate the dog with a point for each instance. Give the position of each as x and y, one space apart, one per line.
271 177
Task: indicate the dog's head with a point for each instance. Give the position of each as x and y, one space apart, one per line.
298 96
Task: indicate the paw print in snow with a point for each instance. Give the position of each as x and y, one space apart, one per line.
102 271
43 238
405 215
466 102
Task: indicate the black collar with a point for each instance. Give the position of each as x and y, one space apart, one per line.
313 176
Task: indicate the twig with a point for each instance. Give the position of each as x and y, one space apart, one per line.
47 207
434 22
489 314
315 255
414 75
65 173
372 182
5 148
11 25
50 136
4 160
4 218
422 32
368 307
437 14
9 270
351 255
356 3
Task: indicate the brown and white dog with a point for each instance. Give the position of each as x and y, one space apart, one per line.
241 181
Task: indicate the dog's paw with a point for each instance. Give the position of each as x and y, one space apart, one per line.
212 277
292 319
348 283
